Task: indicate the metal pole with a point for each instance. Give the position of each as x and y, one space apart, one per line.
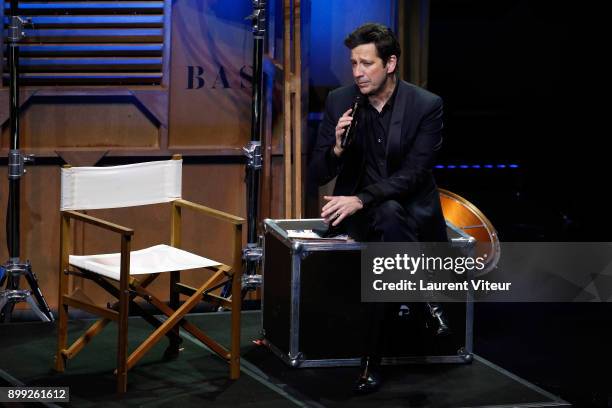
256 113
253 252
14 159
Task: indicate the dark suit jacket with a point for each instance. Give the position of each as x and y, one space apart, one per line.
415 136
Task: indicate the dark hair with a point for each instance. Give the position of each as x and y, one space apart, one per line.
383 38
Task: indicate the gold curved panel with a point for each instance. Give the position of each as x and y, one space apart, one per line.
467 217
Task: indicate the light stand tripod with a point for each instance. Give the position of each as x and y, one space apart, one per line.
14 268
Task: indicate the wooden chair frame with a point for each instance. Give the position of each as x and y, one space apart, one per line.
130 288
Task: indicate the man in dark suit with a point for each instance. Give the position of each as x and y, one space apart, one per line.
385 190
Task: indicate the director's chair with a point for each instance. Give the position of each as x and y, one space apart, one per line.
127 275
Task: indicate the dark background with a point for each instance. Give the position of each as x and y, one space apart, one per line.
520 83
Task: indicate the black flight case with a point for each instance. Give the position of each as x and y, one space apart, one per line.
311 305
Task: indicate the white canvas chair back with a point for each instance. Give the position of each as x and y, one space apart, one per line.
88 188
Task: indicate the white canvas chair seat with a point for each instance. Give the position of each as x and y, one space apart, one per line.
88 188
156 259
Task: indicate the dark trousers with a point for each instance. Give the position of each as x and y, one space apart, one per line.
386 222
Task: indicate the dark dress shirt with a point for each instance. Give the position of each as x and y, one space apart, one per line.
376 130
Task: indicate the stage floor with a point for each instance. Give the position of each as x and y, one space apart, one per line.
198 378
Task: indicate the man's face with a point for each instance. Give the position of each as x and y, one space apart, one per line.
369 72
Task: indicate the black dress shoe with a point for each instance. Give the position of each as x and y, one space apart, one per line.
439 317
369 378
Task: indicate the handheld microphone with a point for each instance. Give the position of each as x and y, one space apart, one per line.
349 132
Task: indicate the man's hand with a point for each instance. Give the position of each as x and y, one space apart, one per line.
340 207
343 122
